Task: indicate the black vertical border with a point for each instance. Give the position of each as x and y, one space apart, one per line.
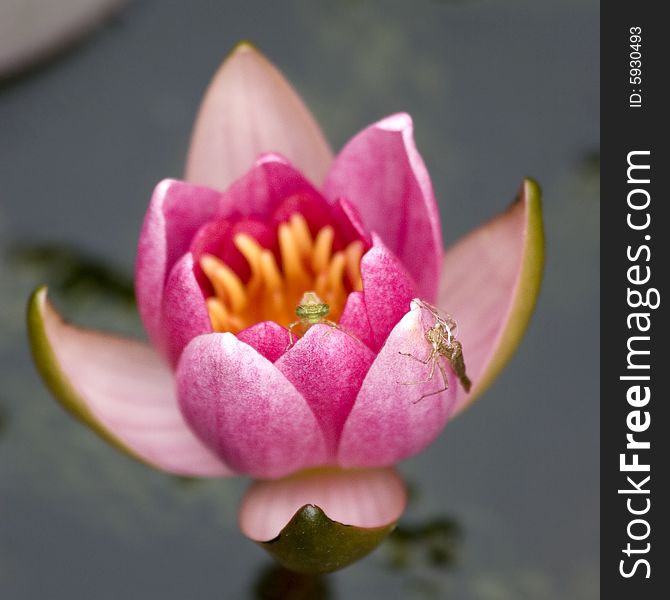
625 129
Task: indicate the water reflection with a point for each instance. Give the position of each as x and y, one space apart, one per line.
274 582
433 542
589 164
75 274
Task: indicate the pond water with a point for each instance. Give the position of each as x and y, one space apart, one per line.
505 505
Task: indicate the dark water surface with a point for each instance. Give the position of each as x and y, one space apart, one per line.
505 503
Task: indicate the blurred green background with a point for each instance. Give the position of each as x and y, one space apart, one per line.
505 505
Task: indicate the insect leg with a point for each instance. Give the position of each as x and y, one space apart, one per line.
423 362
330 324
432 358
333 325
444 379
290 334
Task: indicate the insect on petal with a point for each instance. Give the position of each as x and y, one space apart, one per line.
390 420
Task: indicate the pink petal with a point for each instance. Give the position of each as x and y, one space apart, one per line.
176 211
185 313
249 108
387 287
311 205
362 498
327 367
381 172
490 282
346 216
354 319
217 237
245 409
267 338
121 389
390 420
272 190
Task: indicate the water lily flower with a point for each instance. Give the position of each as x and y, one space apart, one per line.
266 214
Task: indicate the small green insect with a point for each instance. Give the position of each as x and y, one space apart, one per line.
442 338
311 311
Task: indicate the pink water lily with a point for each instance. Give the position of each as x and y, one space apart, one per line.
267 213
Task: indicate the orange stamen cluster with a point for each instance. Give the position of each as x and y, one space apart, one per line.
273 291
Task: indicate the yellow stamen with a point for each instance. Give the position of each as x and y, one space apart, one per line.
278 306
301 234
272 293
250 249
290 255
354 253
321 284
336 294
226 283
270 271
218 315
336 270
221 319
323 246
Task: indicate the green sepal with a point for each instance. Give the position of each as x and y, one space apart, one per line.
312 543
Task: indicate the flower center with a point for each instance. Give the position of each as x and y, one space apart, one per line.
273 292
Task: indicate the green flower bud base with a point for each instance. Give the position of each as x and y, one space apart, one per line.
312 543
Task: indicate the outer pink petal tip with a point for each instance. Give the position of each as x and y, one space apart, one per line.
396 122
248 109
120 388
490 284
381 173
